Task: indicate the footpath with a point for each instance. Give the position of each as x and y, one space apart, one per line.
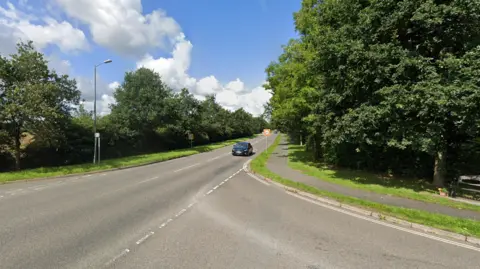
278 164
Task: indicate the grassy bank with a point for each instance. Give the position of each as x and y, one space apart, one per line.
113 163
444 222
420 190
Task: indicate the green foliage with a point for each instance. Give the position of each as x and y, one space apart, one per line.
463 226
383 85
41 128
33 100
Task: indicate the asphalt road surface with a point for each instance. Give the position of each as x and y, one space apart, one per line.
202 211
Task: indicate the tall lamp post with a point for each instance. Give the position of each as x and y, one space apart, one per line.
95 136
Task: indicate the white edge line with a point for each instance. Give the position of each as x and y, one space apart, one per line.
259 180
210 191
387 224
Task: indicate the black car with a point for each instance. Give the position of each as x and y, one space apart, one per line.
243 149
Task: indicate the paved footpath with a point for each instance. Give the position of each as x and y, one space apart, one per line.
278 164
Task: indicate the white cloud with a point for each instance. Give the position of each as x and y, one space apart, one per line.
174 71
120 25
114 85
61 66
16 25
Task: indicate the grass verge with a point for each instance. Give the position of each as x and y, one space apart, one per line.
444 222
420 190
113 163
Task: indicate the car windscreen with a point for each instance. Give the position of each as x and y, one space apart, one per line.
240 146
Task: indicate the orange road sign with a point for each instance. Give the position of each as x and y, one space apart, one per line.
267 132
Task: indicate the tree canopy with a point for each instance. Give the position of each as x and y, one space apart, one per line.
43 123
383 85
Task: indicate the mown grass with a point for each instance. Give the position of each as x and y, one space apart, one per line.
301 160
113 163
453 224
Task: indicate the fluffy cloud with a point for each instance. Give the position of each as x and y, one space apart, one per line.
120 25
16 25
232 95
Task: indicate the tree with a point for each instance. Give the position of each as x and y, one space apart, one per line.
369 81
33 99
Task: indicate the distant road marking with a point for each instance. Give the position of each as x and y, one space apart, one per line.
147 180
123 253
187 167
177 215
386 224
212 159
145 238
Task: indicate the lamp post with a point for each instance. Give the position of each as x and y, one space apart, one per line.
95 108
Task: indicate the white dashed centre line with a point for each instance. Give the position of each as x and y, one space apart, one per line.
164 224
187 167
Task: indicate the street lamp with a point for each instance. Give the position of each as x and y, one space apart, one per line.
95 108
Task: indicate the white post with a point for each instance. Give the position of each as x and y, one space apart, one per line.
98 149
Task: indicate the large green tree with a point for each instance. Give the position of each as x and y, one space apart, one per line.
371 79
33 99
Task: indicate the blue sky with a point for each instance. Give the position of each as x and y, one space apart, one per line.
223 39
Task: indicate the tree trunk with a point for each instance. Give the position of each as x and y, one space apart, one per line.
439 169
17 149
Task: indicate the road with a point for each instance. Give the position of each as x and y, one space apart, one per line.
202 211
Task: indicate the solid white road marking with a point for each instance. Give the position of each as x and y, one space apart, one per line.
187 167
257 179
387 224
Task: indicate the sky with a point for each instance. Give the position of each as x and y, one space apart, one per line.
219 47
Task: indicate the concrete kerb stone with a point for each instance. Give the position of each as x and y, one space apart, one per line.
356 209
426 229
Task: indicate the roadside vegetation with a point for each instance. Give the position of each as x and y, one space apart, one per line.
444 222
389 87
302 160
113 163
46 129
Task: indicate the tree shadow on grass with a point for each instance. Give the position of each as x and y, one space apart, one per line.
358 176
